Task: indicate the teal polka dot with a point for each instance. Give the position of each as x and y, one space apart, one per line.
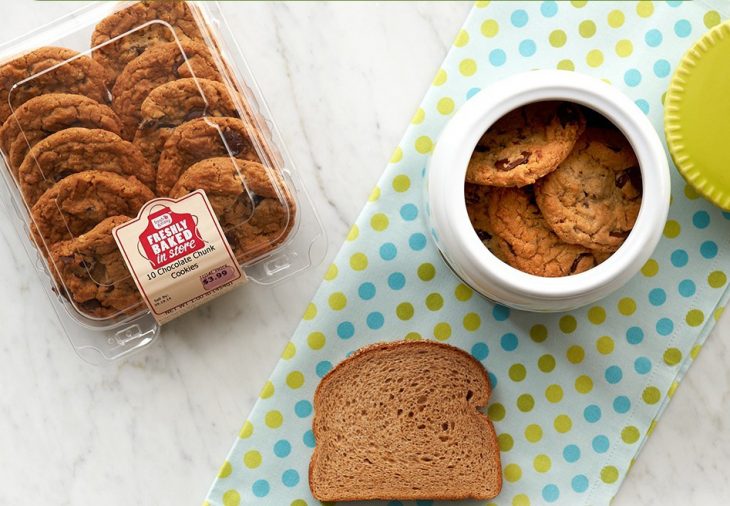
409 212
519 18
642 365
345 330
613 374
682 28
708 249
634 335
527 47
549 8
366 291
282 448
592 413
375 320
492 380
509 342
662 68
653 37
679 258
621 404
396 281
417 241
701 219
571 453
500 313
664 326
643 105
579 483
388 251
290 478
497 57
260 488
600 444
323 368
472 92
303 408
550 492
657 297
308 439
632 77
480 351
686 288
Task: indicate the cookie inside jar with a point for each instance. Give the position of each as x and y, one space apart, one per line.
553 188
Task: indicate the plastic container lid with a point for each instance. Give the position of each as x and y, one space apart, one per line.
697 116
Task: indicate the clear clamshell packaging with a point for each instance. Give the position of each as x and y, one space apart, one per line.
125 109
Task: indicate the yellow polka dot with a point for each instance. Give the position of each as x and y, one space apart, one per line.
566 65
651 428
424 144
587 28
538 333
630 434
273 419
694 317
418 117
672 356
337 301
672 389
624 48
533 433
252 459
481 4
525 403
298 502
359 262
651 395
374 195
568 324
650 268
331 273
579 3
316 340
575 354
645 8
718 313
711 18
505 442
404 311
615 19
231 498
353 233
379 222
472 322
594 58
542 463
463 292
412 336
563 423
441 77
695 351
520 500
554 393
517 372
426 271
496 412
467 67
690 192
225 470
267 391
434 301
310 312
401 183
445 105
597 315
716 279
442 331
512 472
397 155
583 384
462 38
295 379
289 351
489 28
557 38
609 474
627 306
672 229
605 345
246 430
546 363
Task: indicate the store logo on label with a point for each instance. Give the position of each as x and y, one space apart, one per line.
169 236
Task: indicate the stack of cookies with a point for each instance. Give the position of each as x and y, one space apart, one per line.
90 139
553 189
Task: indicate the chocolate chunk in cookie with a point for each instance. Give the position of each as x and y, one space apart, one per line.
90 271
525 144
198 140
77 150
477 205
50 70
42 116
256 216
124 35
175 103
594 196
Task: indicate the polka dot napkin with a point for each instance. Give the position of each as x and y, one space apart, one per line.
575 394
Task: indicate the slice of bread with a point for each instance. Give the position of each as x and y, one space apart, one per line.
400 421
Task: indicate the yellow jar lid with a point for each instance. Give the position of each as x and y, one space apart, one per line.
697 116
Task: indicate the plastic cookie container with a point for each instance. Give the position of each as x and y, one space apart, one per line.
124 113
465 250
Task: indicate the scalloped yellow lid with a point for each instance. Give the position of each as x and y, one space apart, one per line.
697 116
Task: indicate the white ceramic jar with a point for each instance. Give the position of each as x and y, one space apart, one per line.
450 224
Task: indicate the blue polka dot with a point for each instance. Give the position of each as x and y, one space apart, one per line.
260 488
643 105
509 342
290 478
662 68
579 483
549 8
388 251
480 351
687 288
519 18
408 212
528 47
621 404
600 444
345 330
664 326
653 38
366 291
642 365
726 215
634 335
632 77
497 57
571 453
682 28
282 448
674 3
679 258
550 493
375 320
417 241
614 374
701 219
492 380
657 297
472 92
308 439
500 313
303 409
708 249
592 413
323 368
396 281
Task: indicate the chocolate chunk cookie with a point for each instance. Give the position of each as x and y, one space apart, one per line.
253 217
198 140
174 103
50 70
526 144
77 150
42 116
477 206
155 67
523 239
133 38
79 202
90 271
594 196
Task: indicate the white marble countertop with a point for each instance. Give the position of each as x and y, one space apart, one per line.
153 429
